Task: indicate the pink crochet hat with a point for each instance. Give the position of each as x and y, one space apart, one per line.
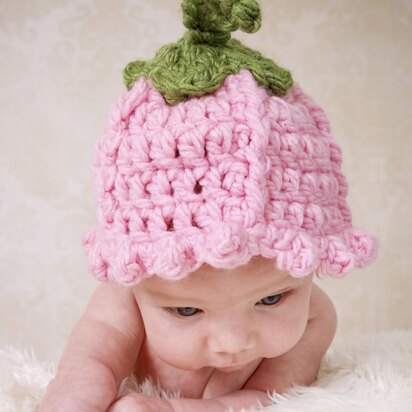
214 156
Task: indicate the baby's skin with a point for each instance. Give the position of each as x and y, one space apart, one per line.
221 338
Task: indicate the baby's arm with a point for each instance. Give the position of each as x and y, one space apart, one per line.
300 365
101 352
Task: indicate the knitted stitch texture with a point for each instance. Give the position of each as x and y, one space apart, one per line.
201 60
218 179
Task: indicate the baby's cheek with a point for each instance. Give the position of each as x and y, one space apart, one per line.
298 330
284 336
178 350
295 318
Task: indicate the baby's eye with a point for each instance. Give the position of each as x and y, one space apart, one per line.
271 300
186 311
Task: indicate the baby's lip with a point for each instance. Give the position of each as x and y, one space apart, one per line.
232 368
235 366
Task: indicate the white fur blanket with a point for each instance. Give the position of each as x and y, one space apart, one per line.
370 373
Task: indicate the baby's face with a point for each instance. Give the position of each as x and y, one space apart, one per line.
224 319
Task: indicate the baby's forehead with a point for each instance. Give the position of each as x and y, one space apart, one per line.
259 274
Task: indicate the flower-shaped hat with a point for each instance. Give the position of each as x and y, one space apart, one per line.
214 155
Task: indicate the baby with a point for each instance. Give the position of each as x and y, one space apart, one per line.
220 195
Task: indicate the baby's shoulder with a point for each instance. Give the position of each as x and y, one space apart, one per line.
115 306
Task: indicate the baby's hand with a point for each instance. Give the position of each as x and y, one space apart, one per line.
235 401
137 402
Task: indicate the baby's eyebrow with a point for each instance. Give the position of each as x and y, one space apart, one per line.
272 290
170 297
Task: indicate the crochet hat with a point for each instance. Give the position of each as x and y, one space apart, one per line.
214 155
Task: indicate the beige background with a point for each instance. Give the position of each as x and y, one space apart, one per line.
60 66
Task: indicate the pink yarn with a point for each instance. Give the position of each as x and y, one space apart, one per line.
219 179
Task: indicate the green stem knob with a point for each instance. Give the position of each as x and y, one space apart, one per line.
212 21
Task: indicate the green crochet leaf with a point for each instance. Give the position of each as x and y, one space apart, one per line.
201 60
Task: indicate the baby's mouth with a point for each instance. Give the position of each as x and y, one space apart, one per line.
232 367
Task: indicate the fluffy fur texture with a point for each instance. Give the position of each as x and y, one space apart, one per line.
219 179
372 373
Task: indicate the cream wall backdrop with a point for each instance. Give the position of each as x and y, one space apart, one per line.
61 64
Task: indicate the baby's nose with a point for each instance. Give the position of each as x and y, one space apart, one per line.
232 339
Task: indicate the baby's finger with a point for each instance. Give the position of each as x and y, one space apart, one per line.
137 402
